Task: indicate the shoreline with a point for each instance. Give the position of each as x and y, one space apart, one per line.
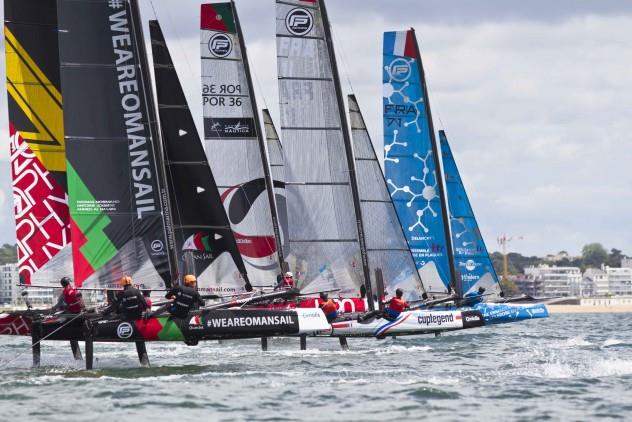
588 309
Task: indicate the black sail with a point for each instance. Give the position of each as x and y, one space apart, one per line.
116 197
200 223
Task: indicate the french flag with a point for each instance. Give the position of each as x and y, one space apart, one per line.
399 43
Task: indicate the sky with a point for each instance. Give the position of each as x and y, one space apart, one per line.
535 98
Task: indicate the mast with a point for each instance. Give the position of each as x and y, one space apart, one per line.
154 132
350 159
435 157
262 146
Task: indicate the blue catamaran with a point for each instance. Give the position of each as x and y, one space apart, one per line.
437 218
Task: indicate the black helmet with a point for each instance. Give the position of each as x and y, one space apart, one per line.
399 293
65 281
323 295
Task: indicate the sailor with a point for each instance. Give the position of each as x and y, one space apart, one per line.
397 305
184 298
130 302
288 280
329 307
69 300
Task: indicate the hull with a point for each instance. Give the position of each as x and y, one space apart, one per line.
409 323
198 326
15 324
502 313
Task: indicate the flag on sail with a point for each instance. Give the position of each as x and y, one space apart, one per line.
470 253
38 161
410 160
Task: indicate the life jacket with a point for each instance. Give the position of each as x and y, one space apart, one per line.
397 304
328 307
184 301
131 304
288 283
72 299
148 302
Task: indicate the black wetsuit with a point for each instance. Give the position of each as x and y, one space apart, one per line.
186 299
129 303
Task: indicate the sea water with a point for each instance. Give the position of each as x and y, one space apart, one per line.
567 367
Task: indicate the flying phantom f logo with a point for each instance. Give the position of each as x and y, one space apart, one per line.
400 70
220 45
299 21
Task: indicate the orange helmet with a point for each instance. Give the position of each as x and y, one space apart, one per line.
190 280
125 280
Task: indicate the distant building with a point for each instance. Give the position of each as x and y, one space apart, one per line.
9 279
555 281
626 263
595 283
619 280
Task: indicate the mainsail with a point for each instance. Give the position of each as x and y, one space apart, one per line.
277 167
38 162
114 180
200 223
385 241
234 145
325 227
411 161
470 253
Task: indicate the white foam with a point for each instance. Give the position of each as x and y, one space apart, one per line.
612 342
609 368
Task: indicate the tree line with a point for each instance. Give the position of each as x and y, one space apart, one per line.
593 256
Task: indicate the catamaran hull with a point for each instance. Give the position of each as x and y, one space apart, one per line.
502 313
408 323
199 326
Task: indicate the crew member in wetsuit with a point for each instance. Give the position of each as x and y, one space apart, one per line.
130 302
185 298
69 300
329 307
397 305
288 280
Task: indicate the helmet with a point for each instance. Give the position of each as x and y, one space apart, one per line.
190 280
65 281
399 293
125 280
289 274
324 295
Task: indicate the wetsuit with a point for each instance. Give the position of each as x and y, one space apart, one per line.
185 299
329 308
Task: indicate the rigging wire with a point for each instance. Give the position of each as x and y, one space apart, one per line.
345 68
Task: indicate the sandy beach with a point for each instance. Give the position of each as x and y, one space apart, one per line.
589 309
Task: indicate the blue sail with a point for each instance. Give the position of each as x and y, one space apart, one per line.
470 253
410 161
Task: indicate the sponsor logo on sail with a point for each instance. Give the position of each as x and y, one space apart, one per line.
400 70
299 21
124 330
469 265
237 128
157 245
220 45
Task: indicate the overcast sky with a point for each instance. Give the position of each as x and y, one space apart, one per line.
535 98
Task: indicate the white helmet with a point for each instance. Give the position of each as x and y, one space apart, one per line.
289 274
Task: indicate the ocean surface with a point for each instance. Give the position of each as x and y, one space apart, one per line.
567 367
